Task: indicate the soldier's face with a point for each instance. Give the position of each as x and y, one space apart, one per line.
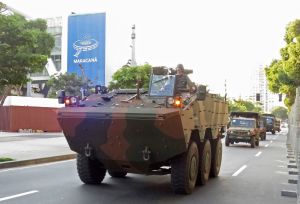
179 71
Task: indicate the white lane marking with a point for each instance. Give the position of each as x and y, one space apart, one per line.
281 172
280 161
37 165
267 145
271 141
240 170
18 195
258 153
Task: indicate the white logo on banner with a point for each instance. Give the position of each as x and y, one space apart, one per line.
84 45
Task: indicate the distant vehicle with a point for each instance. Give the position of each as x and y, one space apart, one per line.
245 127
272 123
277 124
158 132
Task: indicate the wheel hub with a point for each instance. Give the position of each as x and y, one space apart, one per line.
193 168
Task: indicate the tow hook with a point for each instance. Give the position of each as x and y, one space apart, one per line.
87 150
146 154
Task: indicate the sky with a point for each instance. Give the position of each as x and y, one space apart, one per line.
220 40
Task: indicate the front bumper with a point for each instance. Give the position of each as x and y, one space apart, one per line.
239 138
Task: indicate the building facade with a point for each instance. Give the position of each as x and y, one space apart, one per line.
261 93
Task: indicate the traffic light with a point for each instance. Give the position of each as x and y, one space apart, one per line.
280 97
258 97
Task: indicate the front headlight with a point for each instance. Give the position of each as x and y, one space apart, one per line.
73 100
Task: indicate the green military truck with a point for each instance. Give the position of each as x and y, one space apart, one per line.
155 132
272 123
245 127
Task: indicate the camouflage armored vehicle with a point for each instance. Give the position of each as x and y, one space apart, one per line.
244 127
162 131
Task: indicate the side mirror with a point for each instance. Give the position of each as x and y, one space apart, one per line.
201 92
61 96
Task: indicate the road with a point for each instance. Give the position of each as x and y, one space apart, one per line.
248 176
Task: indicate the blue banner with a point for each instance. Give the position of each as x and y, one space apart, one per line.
86 46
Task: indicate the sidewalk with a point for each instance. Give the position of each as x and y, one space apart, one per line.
33 148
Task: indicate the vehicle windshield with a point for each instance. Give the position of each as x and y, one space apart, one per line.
162 85
270 121
242 123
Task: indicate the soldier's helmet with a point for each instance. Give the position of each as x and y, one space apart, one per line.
179 67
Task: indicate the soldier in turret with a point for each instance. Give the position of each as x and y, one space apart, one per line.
183 82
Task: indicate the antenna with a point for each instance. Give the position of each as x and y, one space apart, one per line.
225 90
83 73
133 61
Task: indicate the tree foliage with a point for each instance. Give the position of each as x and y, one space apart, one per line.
25 47
3 7
241 105
283 75
280 112
71 83
126 77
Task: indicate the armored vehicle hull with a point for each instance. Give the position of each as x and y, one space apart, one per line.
164 131
127 139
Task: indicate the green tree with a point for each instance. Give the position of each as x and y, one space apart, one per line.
280 112
71 83
3 7
25 47
283 75
126 77
242 105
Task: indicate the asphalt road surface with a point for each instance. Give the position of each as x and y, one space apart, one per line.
247 176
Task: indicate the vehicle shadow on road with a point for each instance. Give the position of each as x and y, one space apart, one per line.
138 189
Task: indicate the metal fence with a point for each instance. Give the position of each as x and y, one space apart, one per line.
293 137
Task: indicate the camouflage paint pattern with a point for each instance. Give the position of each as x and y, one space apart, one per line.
118 132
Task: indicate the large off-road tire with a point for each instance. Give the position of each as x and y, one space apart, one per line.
216 157
184 170
117 174
252 142
90 171
273 132
227 142
204 163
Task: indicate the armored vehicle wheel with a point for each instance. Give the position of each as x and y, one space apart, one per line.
205 163
252 142
257 142
117 174
184 170
227 142
90 171
216 157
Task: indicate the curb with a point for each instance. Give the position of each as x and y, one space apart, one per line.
12 164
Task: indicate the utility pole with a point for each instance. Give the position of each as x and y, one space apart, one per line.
133 61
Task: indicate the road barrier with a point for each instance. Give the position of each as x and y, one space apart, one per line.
293 138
